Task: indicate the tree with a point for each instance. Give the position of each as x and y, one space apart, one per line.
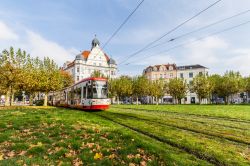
112 88
49 78
97 73
140 87
177 88
11 72
227 85
66 78
123 87
202 86
247 87
156 89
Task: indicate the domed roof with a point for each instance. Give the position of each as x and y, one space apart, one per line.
95 42
79 57
112 61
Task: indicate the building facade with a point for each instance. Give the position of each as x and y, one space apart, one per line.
170 71
87 62
165 72
188 73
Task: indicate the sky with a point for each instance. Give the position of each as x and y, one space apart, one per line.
61 29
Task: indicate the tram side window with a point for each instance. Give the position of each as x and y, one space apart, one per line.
89 93
84 92
78 93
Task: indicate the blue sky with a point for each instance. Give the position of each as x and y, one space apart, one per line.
61 28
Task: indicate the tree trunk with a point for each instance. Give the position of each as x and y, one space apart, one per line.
118 100
200 100
12 98
31 99
45 99
7 98
137 101
226 100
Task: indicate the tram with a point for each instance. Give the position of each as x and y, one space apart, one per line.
89 94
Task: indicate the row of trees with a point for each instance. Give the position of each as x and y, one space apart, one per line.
19 72
136 87
206 87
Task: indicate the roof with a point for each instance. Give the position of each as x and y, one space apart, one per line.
91 79
166 65
85 54
197 66
111 61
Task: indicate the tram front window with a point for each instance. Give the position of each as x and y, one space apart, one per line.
100 90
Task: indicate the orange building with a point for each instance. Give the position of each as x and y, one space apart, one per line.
164 71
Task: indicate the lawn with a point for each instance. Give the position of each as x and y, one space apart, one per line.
126 135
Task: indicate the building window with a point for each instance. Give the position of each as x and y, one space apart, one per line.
191 75
181 75
94 64
77 78
160 75
200 73
171 75
78 69
112 73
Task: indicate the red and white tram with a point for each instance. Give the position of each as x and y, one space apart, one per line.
90 94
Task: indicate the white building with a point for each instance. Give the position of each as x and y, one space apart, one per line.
188 73
87 62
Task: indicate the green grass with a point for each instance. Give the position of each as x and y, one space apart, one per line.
155 135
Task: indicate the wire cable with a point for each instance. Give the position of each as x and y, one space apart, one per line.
201 38
123 23
199 29
172 30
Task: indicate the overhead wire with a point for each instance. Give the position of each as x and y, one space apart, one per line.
123 23
201 38
167 33
199 29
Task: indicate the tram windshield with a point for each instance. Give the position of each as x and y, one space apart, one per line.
100 89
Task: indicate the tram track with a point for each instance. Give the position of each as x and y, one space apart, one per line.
210 159
191 114
233 139
202 122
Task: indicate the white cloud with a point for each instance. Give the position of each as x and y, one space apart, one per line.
239 61
6 33
205 51
41 47
152 60
35 44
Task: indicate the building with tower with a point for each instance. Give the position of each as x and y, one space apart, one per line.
87 62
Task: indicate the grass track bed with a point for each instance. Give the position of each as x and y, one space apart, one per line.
207 111
228 136
203 147
56 136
